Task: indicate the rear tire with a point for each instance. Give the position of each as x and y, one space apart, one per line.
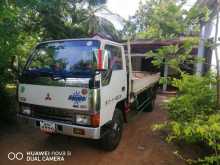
151 104
150 107
112 138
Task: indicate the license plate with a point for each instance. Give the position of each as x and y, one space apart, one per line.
47 126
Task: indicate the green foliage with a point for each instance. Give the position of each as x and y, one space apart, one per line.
165 80
176 57
205 130
166 55
24 23
198 14
16 39
193 116
59 19
165 19
195 97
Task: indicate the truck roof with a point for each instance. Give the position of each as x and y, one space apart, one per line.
91 38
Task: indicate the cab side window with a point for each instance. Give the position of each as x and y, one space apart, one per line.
115 57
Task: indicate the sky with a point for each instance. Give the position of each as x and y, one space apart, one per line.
126 8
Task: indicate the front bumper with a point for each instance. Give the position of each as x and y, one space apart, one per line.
62 128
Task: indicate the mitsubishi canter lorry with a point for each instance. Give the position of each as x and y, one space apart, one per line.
84 88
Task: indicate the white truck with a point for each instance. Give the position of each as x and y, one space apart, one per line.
84 88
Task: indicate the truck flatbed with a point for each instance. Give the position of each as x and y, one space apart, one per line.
141 80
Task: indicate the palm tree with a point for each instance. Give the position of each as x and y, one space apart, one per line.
98 20
74 19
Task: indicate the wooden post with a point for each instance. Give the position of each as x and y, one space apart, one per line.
217 60
129 70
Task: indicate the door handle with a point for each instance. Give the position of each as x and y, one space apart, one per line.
123 88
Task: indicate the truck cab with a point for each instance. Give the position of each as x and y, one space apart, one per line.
78 87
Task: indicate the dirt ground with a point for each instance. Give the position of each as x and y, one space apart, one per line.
139 145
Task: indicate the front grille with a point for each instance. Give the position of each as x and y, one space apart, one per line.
64 115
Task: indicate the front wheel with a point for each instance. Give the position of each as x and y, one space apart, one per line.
113 134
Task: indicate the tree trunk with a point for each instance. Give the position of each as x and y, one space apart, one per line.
165 76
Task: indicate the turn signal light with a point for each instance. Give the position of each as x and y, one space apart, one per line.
95 120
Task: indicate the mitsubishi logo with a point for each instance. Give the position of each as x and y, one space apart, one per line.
48 97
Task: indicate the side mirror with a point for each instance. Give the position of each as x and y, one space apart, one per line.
15 64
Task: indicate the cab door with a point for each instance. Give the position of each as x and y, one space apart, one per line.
113 80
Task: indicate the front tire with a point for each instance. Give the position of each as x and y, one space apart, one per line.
112 138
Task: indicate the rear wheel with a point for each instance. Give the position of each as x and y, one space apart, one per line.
113 134
151 103
150 107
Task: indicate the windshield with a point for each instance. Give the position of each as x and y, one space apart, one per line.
64 58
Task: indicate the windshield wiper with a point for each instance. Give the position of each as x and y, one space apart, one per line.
45 72
37 72
59 76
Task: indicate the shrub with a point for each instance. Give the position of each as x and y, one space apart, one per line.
8 107
193 116
196 97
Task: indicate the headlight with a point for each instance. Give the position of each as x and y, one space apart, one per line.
26 110
83 119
